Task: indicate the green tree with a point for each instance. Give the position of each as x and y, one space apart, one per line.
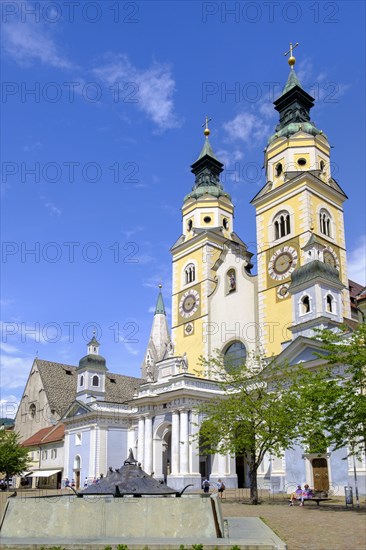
13 457
262 409
344 396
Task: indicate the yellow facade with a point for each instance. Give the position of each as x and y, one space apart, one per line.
303 199
188 332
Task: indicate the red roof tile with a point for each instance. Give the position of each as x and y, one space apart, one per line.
46 435
354 288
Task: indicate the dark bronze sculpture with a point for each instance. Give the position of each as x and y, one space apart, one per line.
130 480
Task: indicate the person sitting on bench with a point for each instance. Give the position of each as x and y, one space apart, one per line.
297 495
306 494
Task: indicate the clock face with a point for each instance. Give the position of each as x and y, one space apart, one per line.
330 258
282 292
282 263
189 303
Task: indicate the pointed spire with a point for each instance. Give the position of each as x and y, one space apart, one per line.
207 150
160 308
158 341
292 81
207 169
293 106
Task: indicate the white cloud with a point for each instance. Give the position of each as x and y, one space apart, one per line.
8 348
321 86
14 371
32 147
247 127
52 209
9 406
151 89
357 261
27 42
131 349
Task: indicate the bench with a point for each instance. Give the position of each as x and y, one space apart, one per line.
315 499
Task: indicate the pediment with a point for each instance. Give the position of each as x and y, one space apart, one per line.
77 409
301 350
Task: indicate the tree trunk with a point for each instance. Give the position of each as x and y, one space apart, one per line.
253 483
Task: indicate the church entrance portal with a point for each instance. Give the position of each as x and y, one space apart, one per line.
162 451
77 471
242 471
320 474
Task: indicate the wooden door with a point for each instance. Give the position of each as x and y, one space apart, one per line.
77 473
320 474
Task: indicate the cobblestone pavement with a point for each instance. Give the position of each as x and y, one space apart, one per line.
331 526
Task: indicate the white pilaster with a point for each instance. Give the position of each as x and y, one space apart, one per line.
175 443
194 458
222 465
92 453
184 445
148 467
140 442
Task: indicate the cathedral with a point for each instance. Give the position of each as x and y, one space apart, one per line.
218 304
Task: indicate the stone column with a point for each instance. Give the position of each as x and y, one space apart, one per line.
184 444
194 461
140 442
175 443
222 465
148 466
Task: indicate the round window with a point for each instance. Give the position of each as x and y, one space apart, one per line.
207 219
301 162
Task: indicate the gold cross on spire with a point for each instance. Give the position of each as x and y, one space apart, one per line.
291 60
206 131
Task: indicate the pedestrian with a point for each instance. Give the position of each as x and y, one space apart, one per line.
67 482
206 486
220 487
85 482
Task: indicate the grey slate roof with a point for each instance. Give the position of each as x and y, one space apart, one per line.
314 270
60 387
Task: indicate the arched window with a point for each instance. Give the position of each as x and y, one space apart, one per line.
329 303
189 225
82 380
190 273
230 281
278 169
95 380
304 305
32 410
235 355
282 225
325 222
322 166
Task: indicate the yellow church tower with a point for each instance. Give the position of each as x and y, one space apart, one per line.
211 269
300 199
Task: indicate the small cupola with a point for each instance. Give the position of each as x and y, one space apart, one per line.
93 346
91 374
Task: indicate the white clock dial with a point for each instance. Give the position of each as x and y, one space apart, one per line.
282 292
189 303
330 257
282 263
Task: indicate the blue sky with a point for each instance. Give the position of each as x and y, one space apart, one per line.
102 107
